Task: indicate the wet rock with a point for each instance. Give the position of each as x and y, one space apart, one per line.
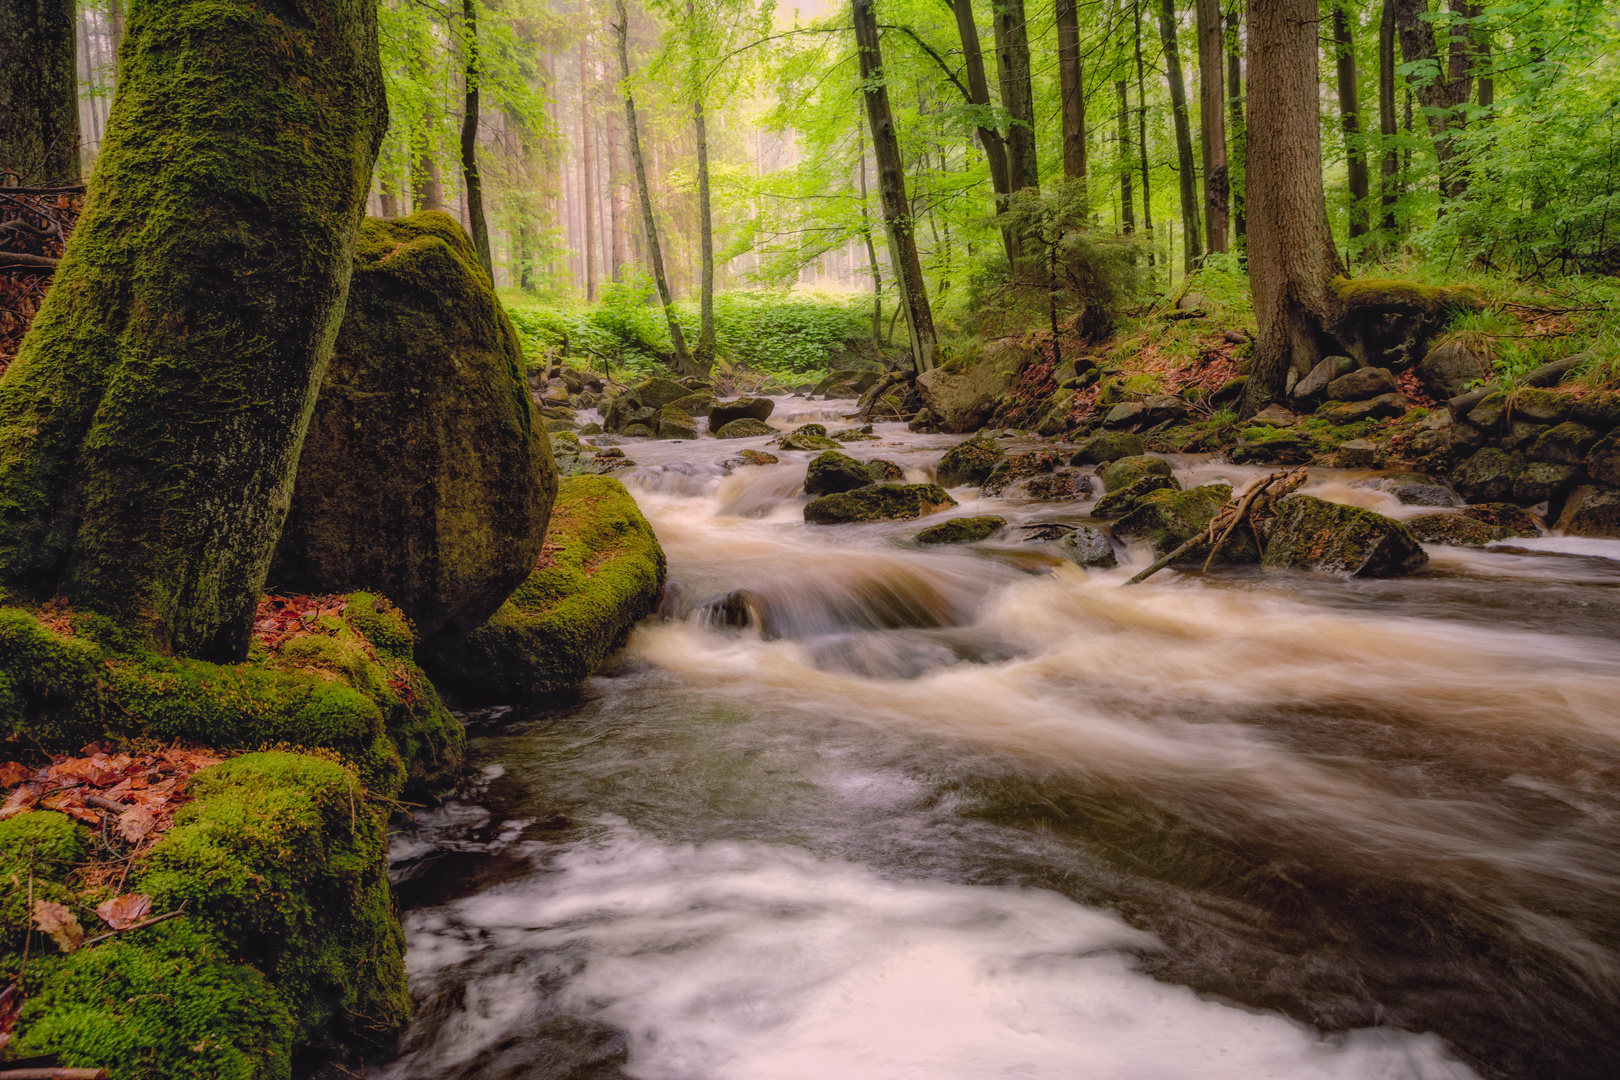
559 425
1540 481
1126 415
1362 385
1486 477
802 440
746 428
968 462
1275 416
1107 446
592 428
1283 448
1520 434
1452 368
1515 519
859 434
846 383
1055 420
1603 460
1592 510
880 502
751 457
1565 443
966 530
1088 547
962 396
1599 411
722 413
1121 502
1467 437
832 472
1125 471
639 431
1230 392
1358 454
1064 484
1382 407
1019 467
1540 406
695 404
1456 530
883 470
641 402
675 424
1425 495
1168 518
810 429
1311 534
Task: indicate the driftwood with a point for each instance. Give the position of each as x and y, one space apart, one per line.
1258 501
875 395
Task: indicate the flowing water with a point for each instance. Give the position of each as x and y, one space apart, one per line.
976 813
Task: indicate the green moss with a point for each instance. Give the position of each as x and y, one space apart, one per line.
1313 534
1359 293
1126 471
602 572
1168 518
968 462
43 847
962 530
881 502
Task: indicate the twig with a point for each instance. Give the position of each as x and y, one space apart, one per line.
53 1074
28 928
101 802
1242 510
142 925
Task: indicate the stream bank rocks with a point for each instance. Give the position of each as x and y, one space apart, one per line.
879 502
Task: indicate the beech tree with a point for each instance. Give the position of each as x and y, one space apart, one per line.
39 92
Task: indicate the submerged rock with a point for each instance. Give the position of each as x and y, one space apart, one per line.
883 470
746 428
1020 467
1516 519
1123 501
968 462
1088 547
722 413
832 472
1312 534
880 502
1167 518
751 457
965 530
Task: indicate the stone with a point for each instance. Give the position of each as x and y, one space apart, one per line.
1127 414
860 434
1358 454
1162 407
1592 510
1056 419
1121 502
961 396
1314 385
1312 534
1283 448
880 502
1019 467
1456 530
1231 392
425 475
1540 406
846 383
1275 416
1123 472
1088 547
1362 385
1166 519
675 424
832 472
1388 322
1063 484
1425 495
1491 411
1566 443
751 457
1466 437
1603 460
1107 446
1520 434
1515 519
745 428
639 431
722 413
882 471
592 428
966 530
1487 476
559 425
1599 411
1384 406
641 401
1540 481
694 404
1193 302
1453 368
968 462
806 439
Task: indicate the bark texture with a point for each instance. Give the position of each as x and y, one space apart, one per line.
39 92
1212 115
152 422
995 147
1350 119
1192 247
1017 94
469 143
1444 96
704 353
1389 183
1071 87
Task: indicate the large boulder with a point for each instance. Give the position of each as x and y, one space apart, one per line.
1390 322
424 475
1600 411
1107 446
1451 368
965 530
962 396
1603 460
1455 530
640 404
1382 407
602 572
1088 547
1592 510
881 502
831 472
1123 501
1126 471
968 462
1020 467
1362 384
745 428
1565 443
846 383
722 413
673 423
1168 518
1312 534
1487 476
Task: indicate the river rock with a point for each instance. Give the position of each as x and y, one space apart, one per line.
1127 415
632 406
880 502
1425 495
1275 416
968 462
860 434
694 404
1451 368
846 383
1168 518
1314 385
1540 481
722 413
425 474
1312 534
1282 447
1515 519
1057 417
1107 446
746 428
1362 385
1063 484
1384 406
1598 411
1603 460
1456 530
965 530
883 470
961 396
832 472
675 424
1592 510
1358 454
639 431
751 457
1565 443
1540 406
1089 547
1125 471
1121 502
1019 467
1487 476
809 437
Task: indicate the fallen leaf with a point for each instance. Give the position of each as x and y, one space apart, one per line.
135 823
13 773
60 923
70 802
10 1007
125 911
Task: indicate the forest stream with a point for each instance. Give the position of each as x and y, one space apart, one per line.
974 813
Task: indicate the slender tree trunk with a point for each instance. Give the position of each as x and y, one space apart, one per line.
469 144
1127 208
704 353
1141 131
1072 90
587 149
871 248
649 223
1350 119
1212 114
1237 143
1192 247
897 219
621 255
1017 94
1442 96
427 188
1291 254
995 147
39 92
1389 185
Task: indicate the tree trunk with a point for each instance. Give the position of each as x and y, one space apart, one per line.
621 256
1443 96
1072 90
1127 211
39 92
1141 131
1237 144
1389 185
587 149
897 220
1350 119
1017 94
649 224
995 148
704 353
1291 254
428 187
1212 115
151 424
1192 247
469 145
871 248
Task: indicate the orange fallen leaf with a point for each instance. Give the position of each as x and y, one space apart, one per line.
60 923
13 773
125 911
135 823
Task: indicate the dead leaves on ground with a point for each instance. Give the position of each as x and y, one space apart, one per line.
11 1000
280 618
60 923
125 911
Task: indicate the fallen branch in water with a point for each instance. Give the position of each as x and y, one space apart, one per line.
1236 512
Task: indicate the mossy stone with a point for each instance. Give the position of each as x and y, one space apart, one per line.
724 412
425 476
151 424
1125 471
880 502
832 472
1312 534
675 424
1167 518
1456 530
800 441
694 404
1515 519
1123 501
968 462
744 428
1565 443
966 530
1108 446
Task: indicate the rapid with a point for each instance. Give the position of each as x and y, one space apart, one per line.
853 809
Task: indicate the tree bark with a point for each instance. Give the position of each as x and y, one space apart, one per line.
1192 247
151 424
39 92
428 187
1350 119
871 248
995 147
1443 96
1291 254
587 149
621 255
1141 130
1017 94
477 225
1071 87
649 223
1127 210
704 353
897 219
1212 114
1237 144
1389 185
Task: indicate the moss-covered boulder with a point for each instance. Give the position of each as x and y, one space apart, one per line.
968 462
1565 443
831 472
1456 530
963 394
724 412
694 404
675 424
1312 534
1592 510
1382 407
1487 476
1515 519
640 404
151 423
601 573
809 437
745 428
966 530
1108 446
1121 502
1167 518
1020 468
1390 322
883 471
424 476
881 502
1126 471
1603 460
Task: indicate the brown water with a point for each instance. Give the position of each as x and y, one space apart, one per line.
976 813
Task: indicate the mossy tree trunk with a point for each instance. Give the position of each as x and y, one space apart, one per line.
470 116
1192 246
39 92
152 421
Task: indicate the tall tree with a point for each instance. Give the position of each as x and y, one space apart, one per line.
1444 96
897 216
1350 118
1072 90
478 226
871 248
1017 94
1212 115
1237 144
655 252
39 92
1127 210
587 150
1291 254
1192 247
1141 129
1389 183
704 353
995 147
